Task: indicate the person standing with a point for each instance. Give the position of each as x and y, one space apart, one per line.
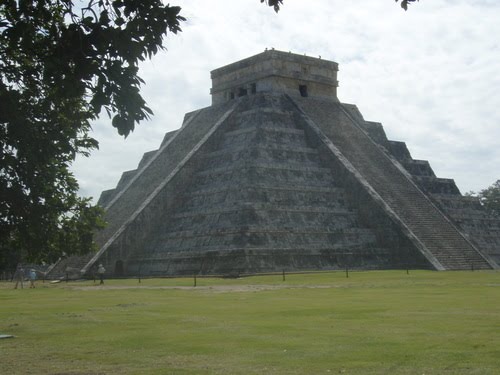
19 276
100 271
32 277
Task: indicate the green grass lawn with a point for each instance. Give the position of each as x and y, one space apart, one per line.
371 323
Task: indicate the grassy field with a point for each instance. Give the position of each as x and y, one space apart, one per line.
371 323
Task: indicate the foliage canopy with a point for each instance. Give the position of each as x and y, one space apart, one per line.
61 65
405 3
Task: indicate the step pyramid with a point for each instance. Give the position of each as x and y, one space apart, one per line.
277 174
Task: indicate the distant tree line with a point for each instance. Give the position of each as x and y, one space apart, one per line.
489 198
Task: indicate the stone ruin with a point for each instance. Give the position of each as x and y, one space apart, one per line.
278 174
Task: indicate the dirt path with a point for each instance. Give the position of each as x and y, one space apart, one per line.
212 288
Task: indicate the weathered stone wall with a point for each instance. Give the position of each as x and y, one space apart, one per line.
262 200
132 209
275 71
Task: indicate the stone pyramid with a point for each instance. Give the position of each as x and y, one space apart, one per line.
277 174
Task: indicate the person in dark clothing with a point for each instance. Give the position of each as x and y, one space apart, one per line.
19 276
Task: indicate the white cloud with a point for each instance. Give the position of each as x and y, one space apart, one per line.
430 75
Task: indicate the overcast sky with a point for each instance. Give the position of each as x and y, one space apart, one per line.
430 75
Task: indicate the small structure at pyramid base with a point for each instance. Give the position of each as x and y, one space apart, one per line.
277 174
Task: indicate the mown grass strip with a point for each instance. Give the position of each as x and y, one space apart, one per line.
374 322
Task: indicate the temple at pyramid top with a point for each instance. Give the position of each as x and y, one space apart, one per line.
275 71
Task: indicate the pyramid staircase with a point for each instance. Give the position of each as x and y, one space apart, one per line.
68 267
480 227
432 232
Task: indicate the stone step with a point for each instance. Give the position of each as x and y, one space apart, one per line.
283 137
268 174
246 153
339 192
347 232
265 218
271 128
257 240
272 166
231 151
265 208
288 198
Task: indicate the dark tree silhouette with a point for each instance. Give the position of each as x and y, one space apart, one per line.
61 66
